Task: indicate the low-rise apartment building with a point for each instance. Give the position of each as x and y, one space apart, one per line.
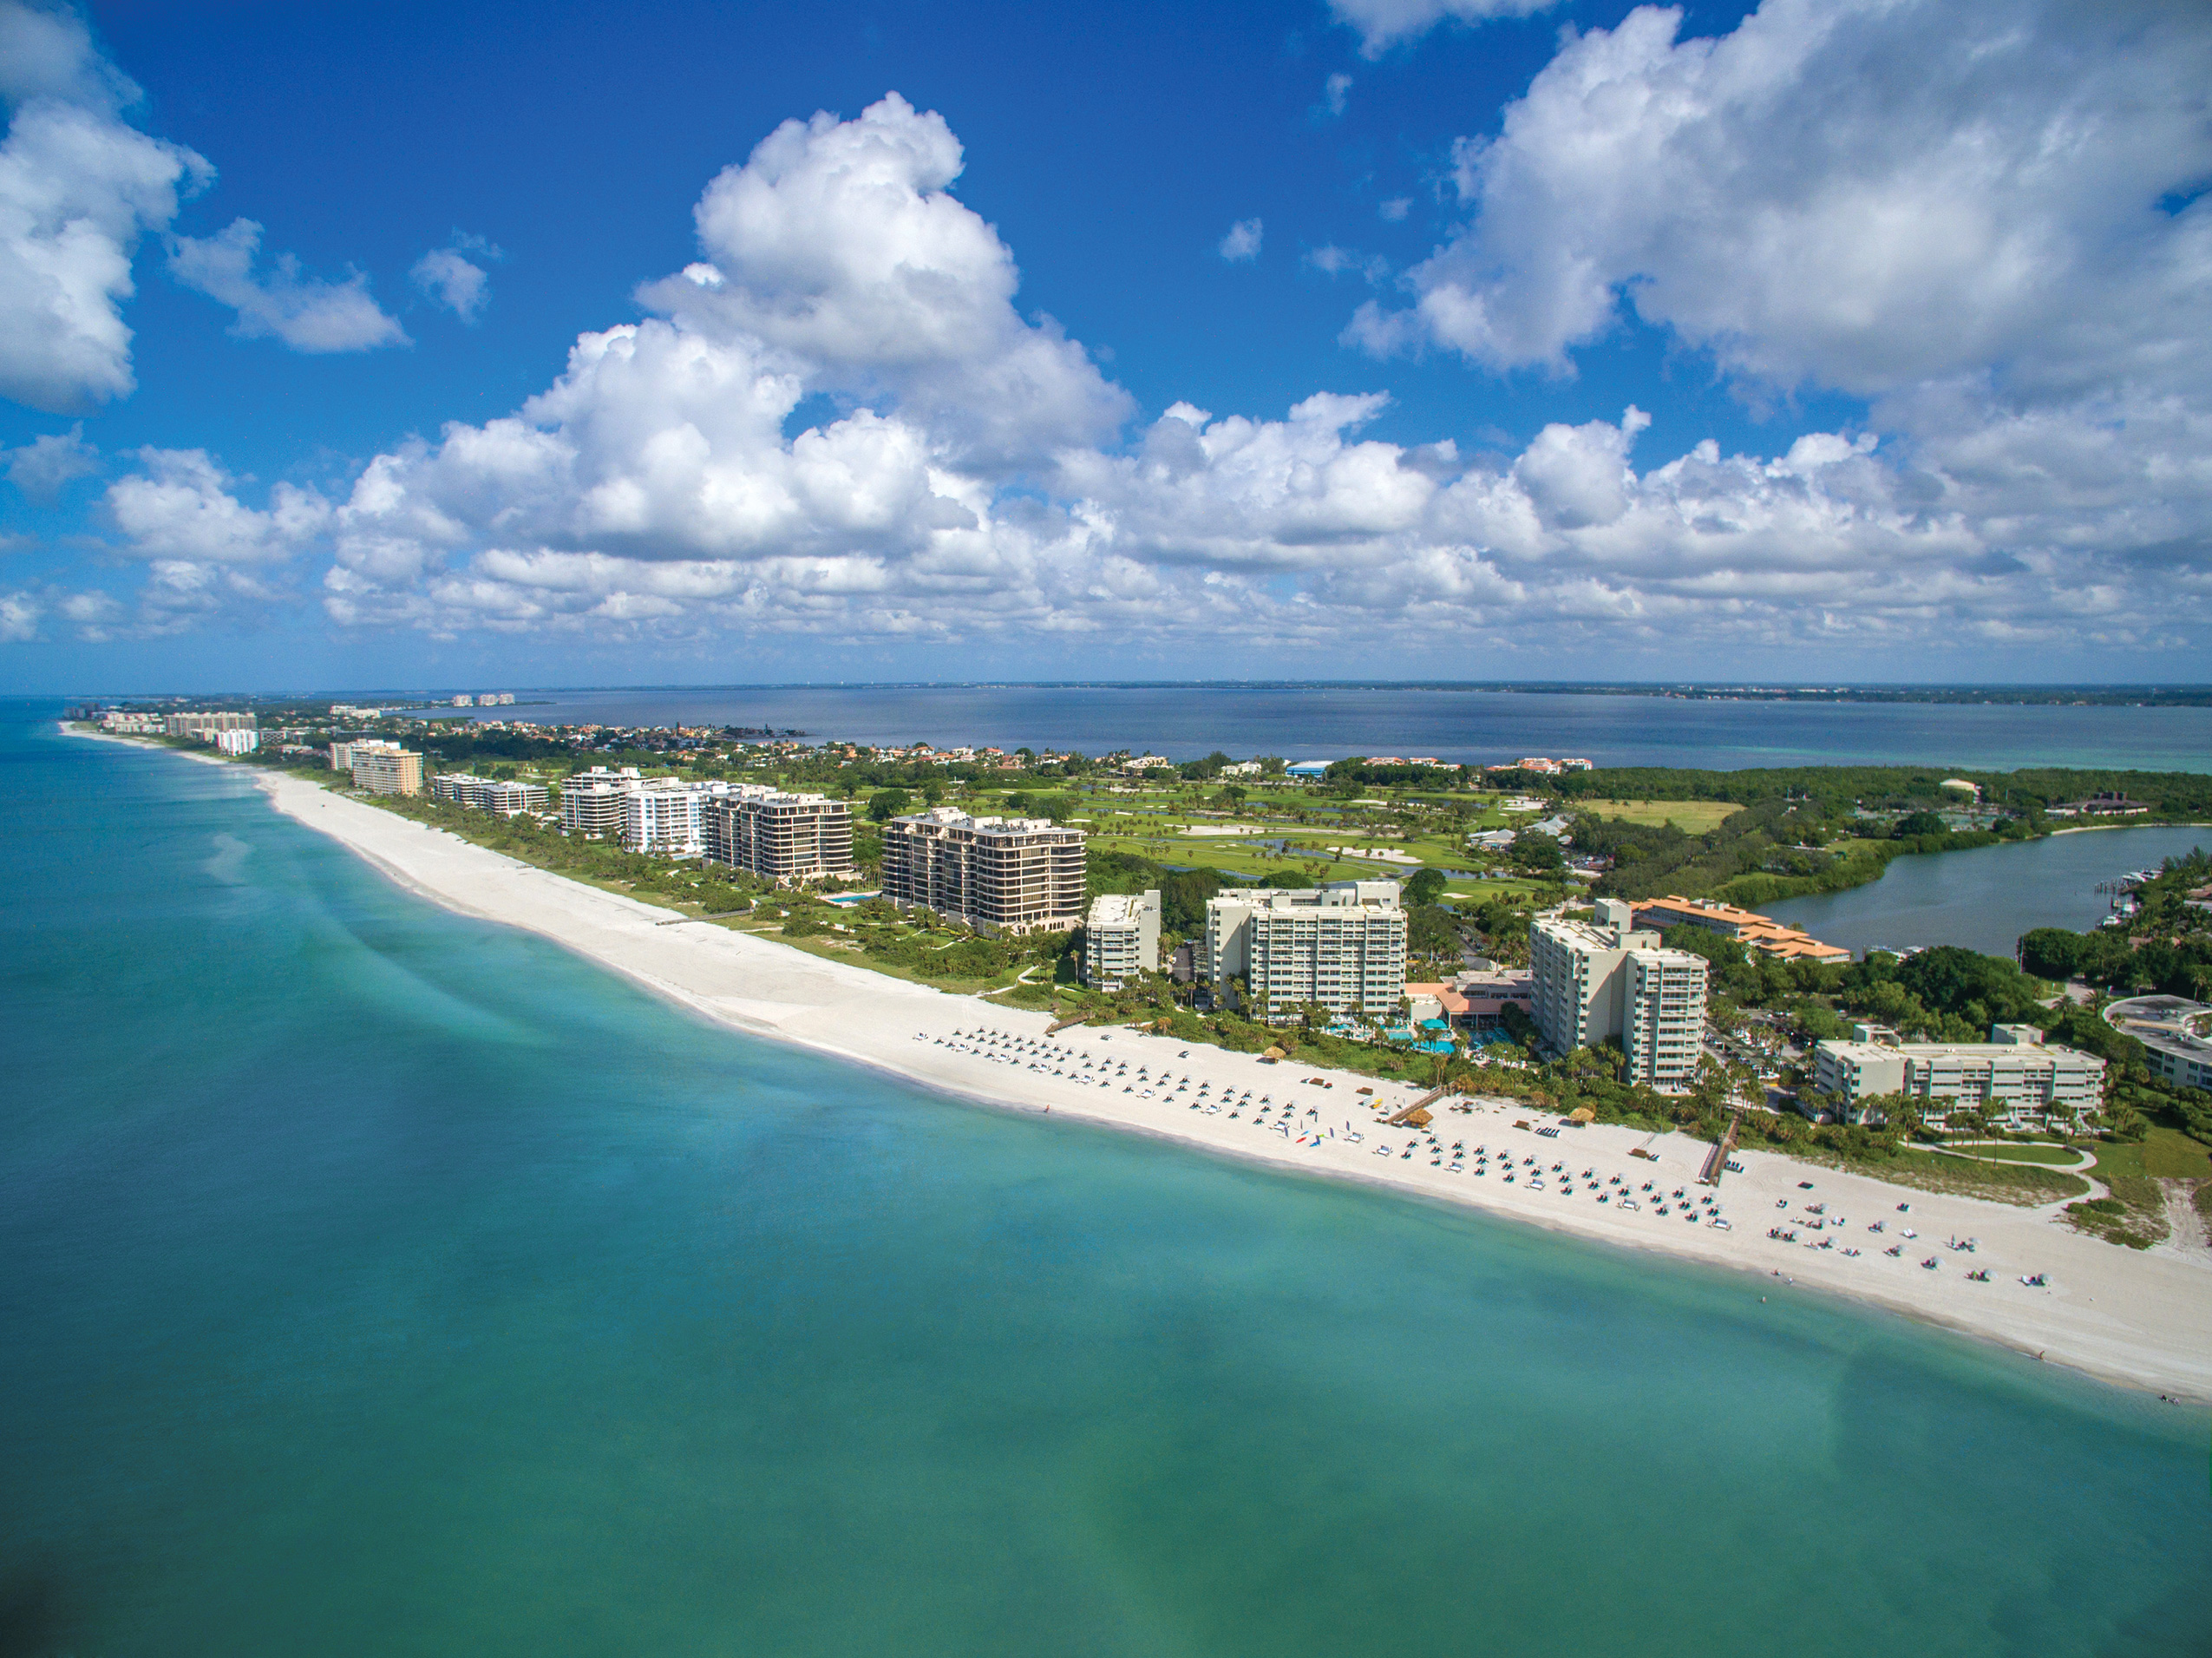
2015 1078
505 796
1603 979
1491 991
1011 874
1121 938
2167 1027
1341 946
785 838
1761 932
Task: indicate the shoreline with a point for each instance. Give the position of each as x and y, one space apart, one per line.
2141 1320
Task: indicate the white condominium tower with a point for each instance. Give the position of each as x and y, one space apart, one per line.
785 838
1595 980
1342 946
1121 938
666 816
1011 874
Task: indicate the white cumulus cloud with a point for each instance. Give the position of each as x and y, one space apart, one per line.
182 507
1242 242
448 277
836 424
78 189
44 466
307 313
20 613
1860 194
1384 24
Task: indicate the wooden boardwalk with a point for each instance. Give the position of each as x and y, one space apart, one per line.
1717 1160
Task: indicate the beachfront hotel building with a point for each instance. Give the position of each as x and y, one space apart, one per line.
1598 980
387 769
1761 932
506 797
1340 946
1011 874
785 838
1121 938
2015 1078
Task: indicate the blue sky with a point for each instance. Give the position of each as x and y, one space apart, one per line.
1909 300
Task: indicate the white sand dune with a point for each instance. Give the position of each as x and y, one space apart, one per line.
2141 1319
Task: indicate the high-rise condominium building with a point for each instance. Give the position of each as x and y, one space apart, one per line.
1602 978
1121 938
1013 875
1341 946
342 753
387 770
666 816
785 838
507 797
592 809
205 725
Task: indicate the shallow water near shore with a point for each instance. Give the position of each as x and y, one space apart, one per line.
382 1280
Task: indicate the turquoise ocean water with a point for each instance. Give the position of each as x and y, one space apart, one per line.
382 1281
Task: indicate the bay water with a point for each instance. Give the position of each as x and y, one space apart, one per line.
1452 723
382 1281
1984 898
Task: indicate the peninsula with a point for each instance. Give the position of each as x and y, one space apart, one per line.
2140 1319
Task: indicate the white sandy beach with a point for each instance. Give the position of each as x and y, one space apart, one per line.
2141 1319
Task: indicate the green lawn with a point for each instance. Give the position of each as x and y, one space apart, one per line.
1690 816
2165 1153
2004 1183
2058 1155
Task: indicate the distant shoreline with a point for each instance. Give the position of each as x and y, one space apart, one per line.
1997 695
2141 1320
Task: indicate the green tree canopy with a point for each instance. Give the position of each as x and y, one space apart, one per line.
1424 886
